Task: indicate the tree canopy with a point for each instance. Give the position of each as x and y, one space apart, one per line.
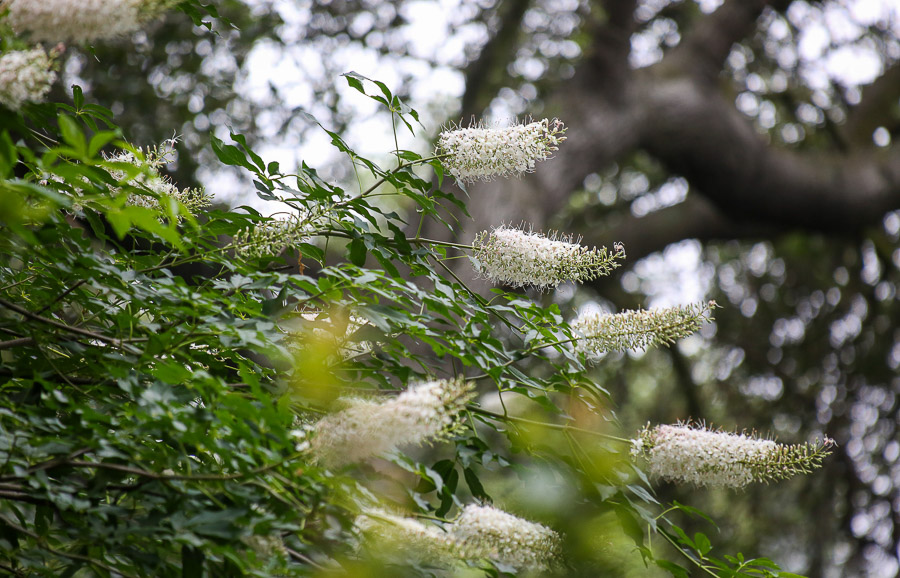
168 366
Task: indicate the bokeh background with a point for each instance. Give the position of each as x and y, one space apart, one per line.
743 151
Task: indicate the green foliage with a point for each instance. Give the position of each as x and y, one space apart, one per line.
158 377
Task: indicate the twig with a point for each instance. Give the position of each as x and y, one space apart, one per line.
16 342
523 355
61 296
184 477
382 180
76 330
303 558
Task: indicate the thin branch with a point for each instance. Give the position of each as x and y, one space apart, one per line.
62 295
304 559
460 246
383 179
183 477
76 330
16 342
524 355
11 285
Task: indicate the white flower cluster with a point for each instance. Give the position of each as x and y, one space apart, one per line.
273 236
480 532
25 76
486 532
406 538
150 179
514 257
479 153
696 455
79 20
367 428
602 332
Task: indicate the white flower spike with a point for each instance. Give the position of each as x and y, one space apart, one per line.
479 153
641 329
486 532
367 428
405 538
699 456
480 532
153 160
519 259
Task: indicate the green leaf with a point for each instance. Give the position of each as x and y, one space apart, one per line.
229 154
475 485
100 140
72 134
701 542
77 96
356 252
355 81
9 156
674 569
629 524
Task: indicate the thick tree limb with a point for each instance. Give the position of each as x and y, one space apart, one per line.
695 218
742 185
703 138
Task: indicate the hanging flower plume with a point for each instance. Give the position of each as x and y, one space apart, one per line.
694 454
80 20
486 532
405 538
367 428
479 153
273 236
480 532
518 258
25 76
641 329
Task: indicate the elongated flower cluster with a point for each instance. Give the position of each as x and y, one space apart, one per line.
80 20
479 153
367 428
486 532
193 199
696 455
480 532
272 237
406 538
639 329
25 76
517 258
